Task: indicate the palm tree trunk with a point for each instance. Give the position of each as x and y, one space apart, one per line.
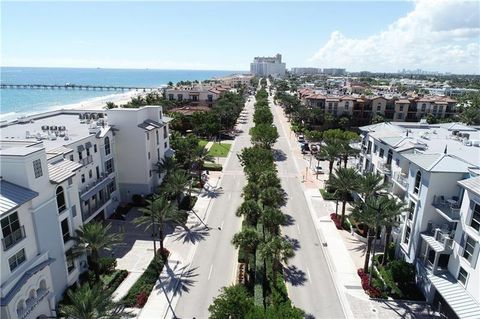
369 249
330 169
95 265
345 160
388 231
343 211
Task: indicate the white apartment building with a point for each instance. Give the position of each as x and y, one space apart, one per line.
434 169
265 66
58 171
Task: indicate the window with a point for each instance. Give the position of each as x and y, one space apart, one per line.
88 151
400 116
70 261
389 158
37 168
170 97
157 136
469 248
475 222
400 108
407 234
210 98
83 178
418 178
90 174
109 168
74 211
424 106
382 151
165 133
150 173
16 260
11 230
165 145
148 136
61 205
379 107
462 276
95 148
65 230
397 161
70 181
179 97
80 155
411 210
111 186
148 155
97 170
158 154
107 145
375 149
71 158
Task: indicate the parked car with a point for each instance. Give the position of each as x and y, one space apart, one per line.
318 170
301 138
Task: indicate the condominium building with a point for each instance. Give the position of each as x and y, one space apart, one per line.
196 95
60 170
306 71
363 108
435 170
265 66
236 80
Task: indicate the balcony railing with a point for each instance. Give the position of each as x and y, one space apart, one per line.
95 184
91 209
385 168
15 237
440 240
448 208
400 179
86 160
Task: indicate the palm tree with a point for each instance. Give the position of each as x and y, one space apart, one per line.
251 191
277 249
200 156
250 209
273 197
176 183
91 303
93 238
248 238
159 211
268 179
344 181
166 165
346 151
331 152
390 220
272 218
371 184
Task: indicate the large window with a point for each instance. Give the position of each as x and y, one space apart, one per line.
37 168
65 230
109 168
70 260
462 276
16 260
107 145
418 178
60 200
407 234
158 137
11 230
469 248
411 210
475 222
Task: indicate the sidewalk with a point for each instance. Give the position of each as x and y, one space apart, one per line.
343 252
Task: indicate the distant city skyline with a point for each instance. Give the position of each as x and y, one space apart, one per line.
435 36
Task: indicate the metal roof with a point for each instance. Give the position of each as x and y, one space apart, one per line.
472 184
439 162
12 196
62 170
461 302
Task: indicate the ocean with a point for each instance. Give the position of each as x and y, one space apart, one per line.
18 102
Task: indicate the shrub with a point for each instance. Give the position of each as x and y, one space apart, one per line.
138 200
187 202
336 220
369 289
107 264
141 300
112 282
212 166
327 195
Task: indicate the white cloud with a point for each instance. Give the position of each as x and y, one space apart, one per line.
440 35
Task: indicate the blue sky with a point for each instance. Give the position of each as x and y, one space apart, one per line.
217 35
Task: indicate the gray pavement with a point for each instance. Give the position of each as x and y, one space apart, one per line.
215 258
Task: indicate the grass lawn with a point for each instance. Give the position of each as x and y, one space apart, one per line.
202 143
219 150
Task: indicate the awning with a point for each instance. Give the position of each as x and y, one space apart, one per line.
461 302
88 145
80 148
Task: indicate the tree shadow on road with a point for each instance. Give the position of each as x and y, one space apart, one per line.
193 235
211 191
295 243
178 280
290 221
295 276
279 155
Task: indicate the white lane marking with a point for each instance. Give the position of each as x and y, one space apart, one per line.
308 273
210 272
298 227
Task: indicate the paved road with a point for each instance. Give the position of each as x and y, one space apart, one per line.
309 281
215 260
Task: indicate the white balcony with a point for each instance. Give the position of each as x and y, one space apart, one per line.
400 179
448 208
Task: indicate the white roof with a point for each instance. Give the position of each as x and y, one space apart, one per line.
439 162
472 184
62 170
12 196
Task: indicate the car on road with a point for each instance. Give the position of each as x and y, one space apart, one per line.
301 138
318 170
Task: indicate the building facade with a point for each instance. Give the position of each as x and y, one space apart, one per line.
434 170
265 66
60 170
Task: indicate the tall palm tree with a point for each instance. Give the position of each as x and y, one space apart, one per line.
268 179
158 212
331 152
91 303
93 238
251 210
177 183
248 238
273 218
346 151
344 181
390 220
371 184
200 156
277 249
166 165
273 197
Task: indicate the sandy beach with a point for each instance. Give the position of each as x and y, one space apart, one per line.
100 102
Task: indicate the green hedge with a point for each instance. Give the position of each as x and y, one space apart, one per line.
145 283
115 279
212 166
